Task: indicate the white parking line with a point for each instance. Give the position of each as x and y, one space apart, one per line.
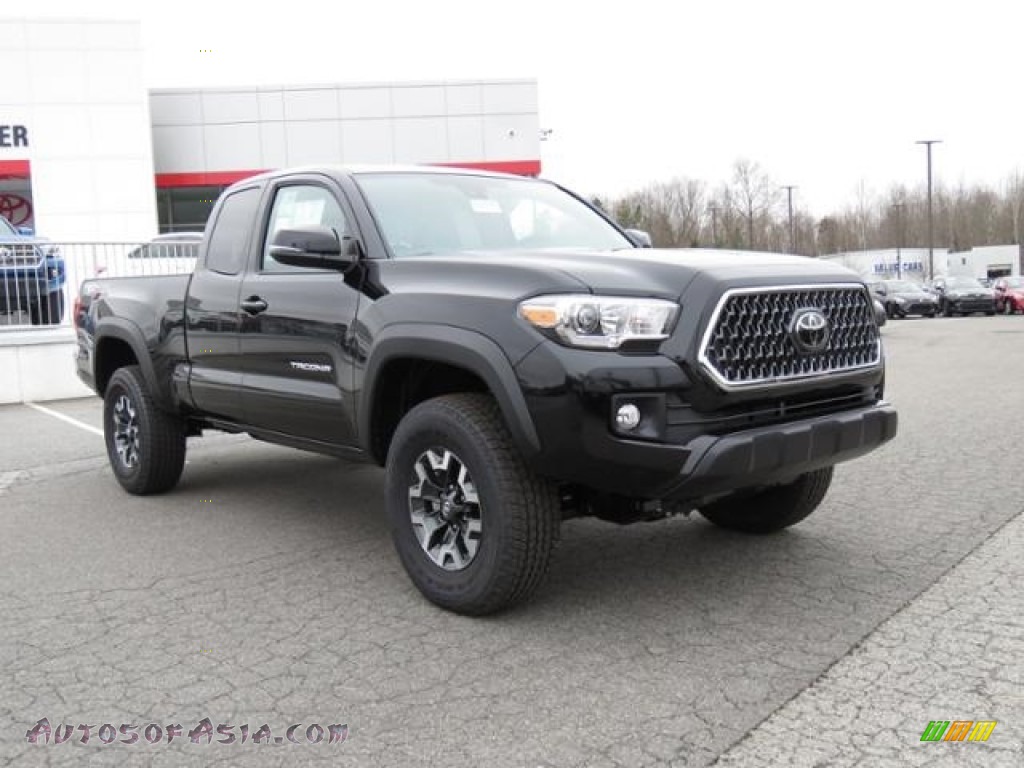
68 419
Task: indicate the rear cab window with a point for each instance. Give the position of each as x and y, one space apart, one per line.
230 232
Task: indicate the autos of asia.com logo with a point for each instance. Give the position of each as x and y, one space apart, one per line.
154 734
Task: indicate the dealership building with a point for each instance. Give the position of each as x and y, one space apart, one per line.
89 153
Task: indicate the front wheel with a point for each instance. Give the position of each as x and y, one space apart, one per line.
145 446
473 526
771 509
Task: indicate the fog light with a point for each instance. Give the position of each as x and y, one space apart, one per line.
627 417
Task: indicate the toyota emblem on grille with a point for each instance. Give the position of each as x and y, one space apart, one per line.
809 330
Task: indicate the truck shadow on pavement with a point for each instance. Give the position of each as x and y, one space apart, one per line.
679 564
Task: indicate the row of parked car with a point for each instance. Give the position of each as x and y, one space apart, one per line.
949 296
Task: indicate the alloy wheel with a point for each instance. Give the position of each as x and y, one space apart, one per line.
126 431
445 509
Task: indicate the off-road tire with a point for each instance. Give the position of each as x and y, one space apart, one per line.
519 512
771 509
160 451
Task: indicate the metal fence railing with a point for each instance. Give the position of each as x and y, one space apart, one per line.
39 279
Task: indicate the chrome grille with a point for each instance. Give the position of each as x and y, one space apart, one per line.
749 343
18 255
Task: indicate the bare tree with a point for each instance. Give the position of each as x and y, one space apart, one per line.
754 195
745 213
671 212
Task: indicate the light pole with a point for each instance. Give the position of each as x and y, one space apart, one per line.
898 207
714 225
931 243
789 204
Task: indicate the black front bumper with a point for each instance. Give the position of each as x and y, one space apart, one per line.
571 402
780 452
972 305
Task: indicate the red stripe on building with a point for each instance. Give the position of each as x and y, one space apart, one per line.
518 167
15 168
202 178
223 178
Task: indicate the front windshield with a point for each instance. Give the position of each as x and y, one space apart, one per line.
965 283
1014 282
424 213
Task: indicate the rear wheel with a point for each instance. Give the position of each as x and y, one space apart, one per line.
947 310
771 509
145 446
473 526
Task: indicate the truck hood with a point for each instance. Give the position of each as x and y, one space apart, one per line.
663 273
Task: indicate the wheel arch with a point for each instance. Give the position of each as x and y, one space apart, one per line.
119 343
412 362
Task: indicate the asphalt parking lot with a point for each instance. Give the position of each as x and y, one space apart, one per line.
264 590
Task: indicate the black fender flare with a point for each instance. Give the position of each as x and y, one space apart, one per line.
466 349
126 331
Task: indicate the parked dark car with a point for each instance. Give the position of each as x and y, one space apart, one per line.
1009 294
960 295
32 276
902 298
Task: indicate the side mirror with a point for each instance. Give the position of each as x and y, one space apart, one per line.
314 247
639 238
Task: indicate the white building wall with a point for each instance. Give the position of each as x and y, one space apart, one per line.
882 263
986 260
248 129
78 88
978 262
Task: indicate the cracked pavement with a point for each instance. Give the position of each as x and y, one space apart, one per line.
264 589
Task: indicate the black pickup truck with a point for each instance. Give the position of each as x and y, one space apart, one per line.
508 353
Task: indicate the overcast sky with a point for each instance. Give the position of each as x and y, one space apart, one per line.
826 95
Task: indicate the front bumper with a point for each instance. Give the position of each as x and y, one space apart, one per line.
972 305
917 308
571 401
780 453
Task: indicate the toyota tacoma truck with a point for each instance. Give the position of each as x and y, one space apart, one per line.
32 276
505 351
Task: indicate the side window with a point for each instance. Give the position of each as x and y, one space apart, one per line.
298 206
230 233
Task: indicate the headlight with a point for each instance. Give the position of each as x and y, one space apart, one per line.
600 322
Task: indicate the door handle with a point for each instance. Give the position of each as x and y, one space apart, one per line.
254 305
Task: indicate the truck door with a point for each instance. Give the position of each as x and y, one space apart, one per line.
211 309
297 325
